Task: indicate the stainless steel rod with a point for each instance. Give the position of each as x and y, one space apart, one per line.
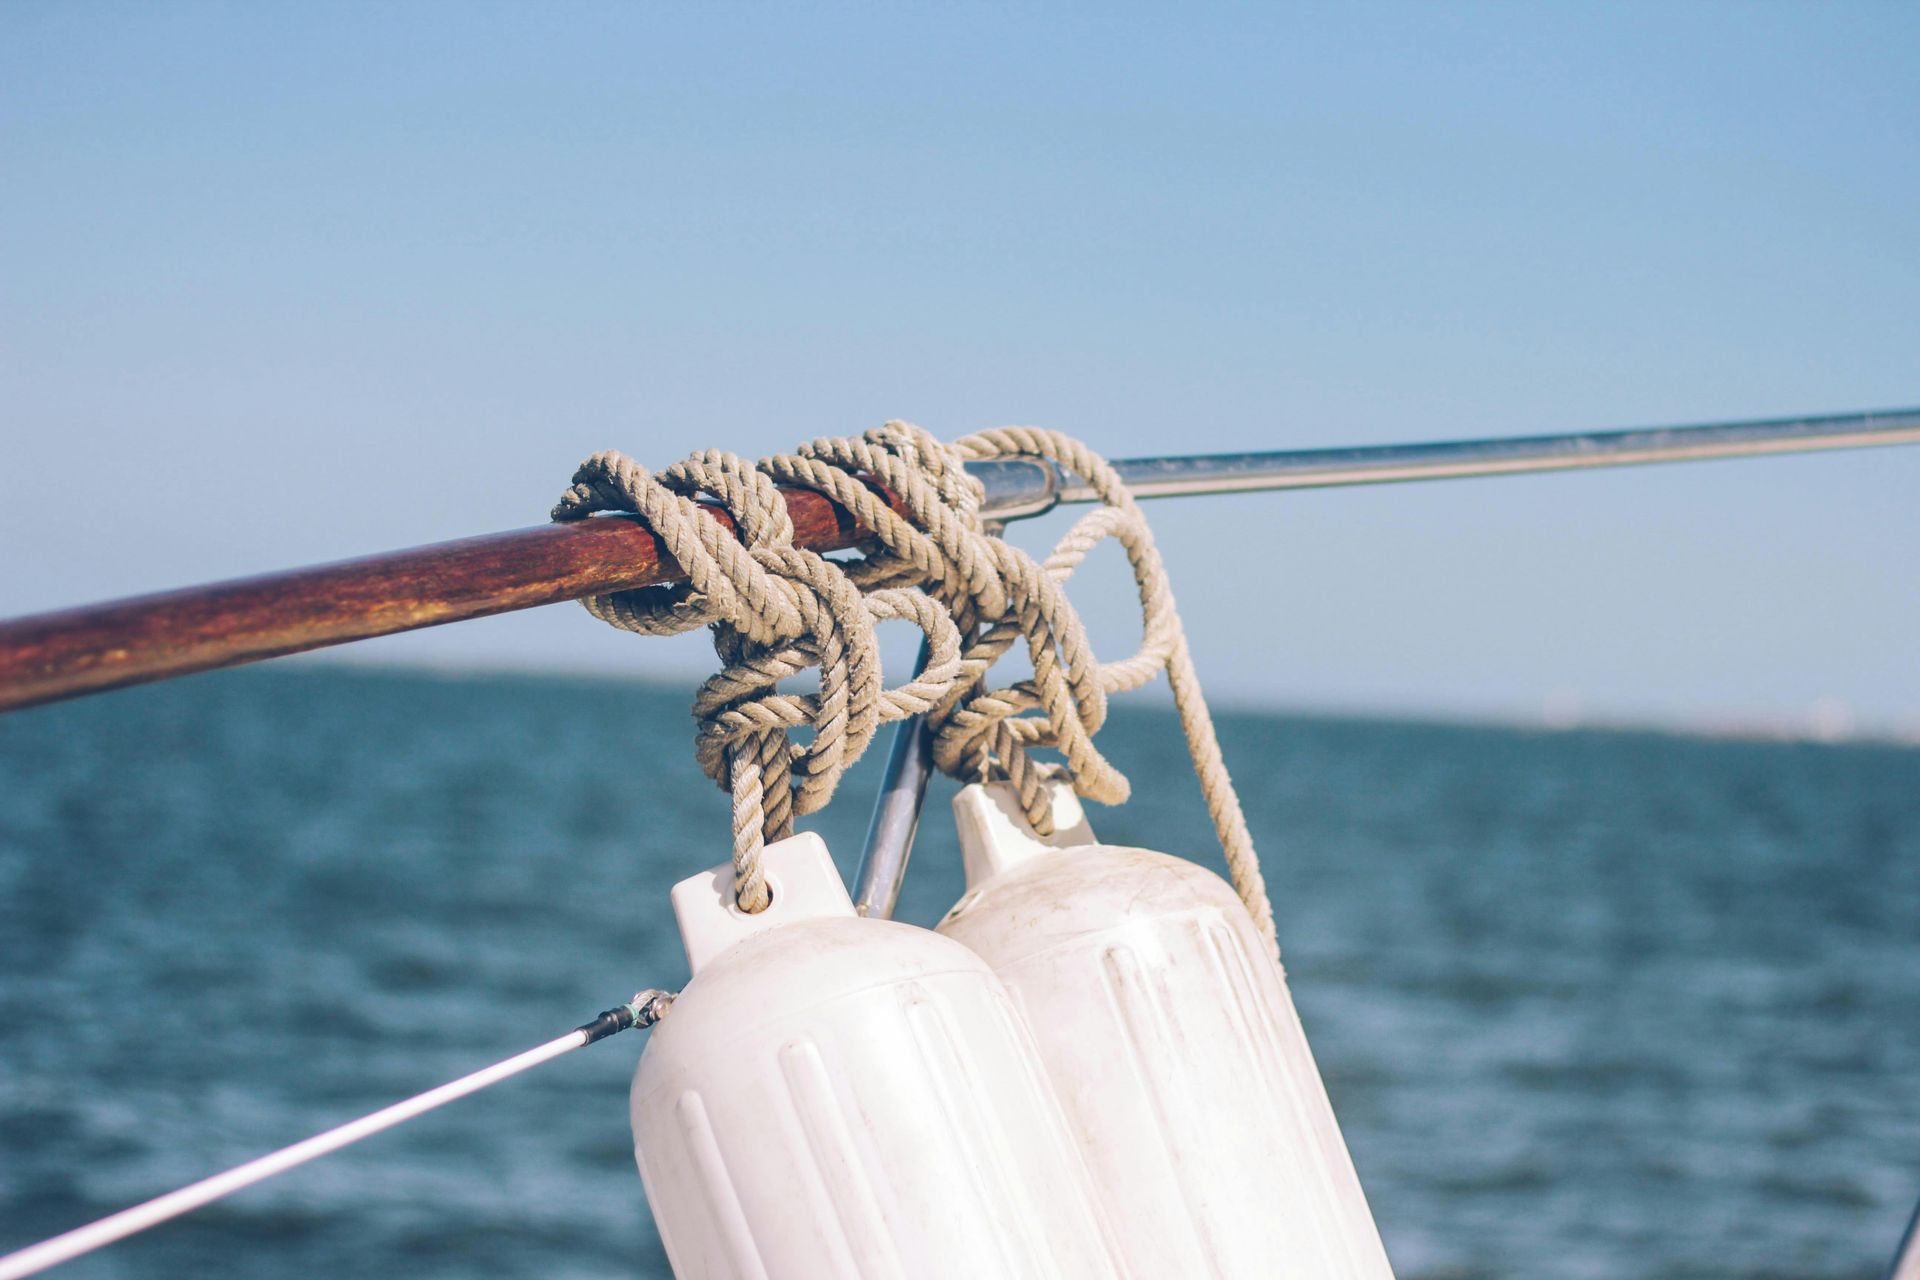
896 810
896 817
1013 491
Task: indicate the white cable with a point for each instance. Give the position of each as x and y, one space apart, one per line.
65 1248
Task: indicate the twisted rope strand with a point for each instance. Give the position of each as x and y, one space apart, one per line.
776 610
1161 622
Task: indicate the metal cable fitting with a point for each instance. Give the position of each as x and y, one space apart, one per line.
646 1008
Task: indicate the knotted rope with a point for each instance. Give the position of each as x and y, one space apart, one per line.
776 610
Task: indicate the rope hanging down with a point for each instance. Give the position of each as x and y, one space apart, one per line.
776 610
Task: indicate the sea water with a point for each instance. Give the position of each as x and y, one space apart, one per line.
1588 1003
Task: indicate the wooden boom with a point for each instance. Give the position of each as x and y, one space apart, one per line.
50 656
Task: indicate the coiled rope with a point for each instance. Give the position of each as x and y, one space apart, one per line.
776 610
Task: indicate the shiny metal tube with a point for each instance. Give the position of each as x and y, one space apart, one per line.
896 817
1015 489
896 813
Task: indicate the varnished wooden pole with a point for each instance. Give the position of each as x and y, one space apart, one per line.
50 656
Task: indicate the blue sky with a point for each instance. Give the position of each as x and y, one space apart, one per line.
280 285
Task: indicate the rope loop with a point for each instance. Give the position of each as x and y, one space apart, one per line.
777 610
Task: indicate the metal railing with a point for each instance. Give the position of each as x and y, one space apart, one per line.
52 656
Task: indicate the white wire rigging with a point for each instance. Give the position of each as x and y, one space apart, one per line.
118 1226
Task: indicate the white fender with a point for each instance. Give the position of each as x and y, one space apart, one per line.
1167 1027
832 1096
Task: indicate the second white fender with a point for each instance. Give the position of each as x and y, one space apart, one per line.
1167 1028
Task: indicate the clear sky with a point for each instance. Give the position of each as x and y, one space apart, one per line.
281 285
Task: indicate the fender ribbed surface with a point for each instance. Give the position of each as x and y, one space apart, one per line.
840 1097
1174 1045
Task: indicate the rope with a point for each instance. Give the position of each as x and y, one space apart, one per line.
1163 643
776 610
